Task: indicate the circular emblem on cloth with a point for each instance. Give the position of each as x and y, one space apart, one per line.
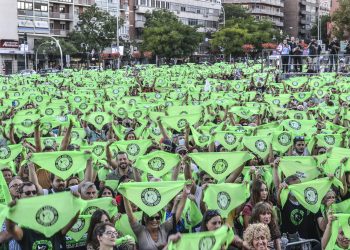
295 124
223 200
17 94
90 210
298 116
348 98
181 123
77 99
27 123
64 162
180 95
62 118
240 129
237 86
132 101
83 105
168 103
49 111
206 243
311 195
49 142
121 111
284 139
296 216
75 135
295 83
230 138
115 91
5 152
98 150
78 226
99 119
261 145
151 197
183 113
156 163
39 98
316 84
203 138
329 139
133 149
155 131
276 101
219 166
158 96
301 95
46 216
137 114
319 92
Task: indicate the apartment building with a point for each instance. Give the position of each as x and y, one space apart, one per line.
263 9
299 17
203 13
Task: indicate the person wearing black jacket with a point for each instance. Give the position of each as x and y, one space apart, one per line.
297 51
334 48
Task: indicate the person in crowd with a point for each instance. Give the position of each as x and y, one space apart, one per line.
257 236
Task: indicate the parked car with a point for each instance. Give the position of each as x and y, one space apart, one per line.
44 72
27 72
95 68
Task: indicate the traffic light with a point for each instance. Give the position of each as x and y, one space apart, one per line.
25 38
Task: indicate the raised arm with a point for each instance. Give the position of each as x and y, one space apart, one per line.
37 136
66 138
34 178
128 210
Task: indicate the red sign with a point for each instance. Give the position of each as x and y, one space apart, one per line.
9 44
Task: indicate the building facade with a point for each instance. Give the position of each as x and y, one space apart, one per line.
263 9
203 13
299 17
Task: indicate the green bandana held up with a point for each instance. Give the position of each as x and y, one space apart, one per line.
9 153
179 122
211 240
229 140
134 148
225 197
157 163
282 141
80 227
191 215
260 145
310 193
220 165
305 167
61 163
151 197
47 141
202 140
46 214
5 196
98 119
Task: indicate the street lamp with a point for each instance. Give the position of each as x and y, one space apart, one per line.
59 46
36 54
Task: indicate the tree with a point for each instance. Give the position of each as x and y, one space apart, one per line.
96 28
341 19
233 11
51 48
324 21
239 31
166 36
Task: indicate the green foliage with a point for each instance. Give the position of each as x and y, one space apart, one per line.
50 47
233 11
167 37
239 31
324 21
96 28
341 19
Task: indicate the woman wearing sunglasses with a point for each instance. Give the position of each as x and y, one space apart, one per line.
151 233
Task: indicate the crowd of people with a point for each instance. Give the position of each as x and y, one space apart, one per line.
298 56
191 156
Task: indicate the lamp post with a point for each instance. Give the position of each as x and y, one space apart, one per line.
86 46
59 46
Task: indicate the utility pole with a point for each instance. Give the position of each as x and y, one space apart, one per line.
25 50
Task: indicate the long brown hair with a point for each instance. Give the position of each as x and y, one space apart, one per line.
256 187
266 208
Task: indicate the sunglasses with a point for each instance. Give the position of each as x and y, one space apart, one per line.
153 218
299 138
33 192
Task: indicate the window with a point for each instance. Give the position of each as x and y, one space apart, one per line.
24 6
157 4
62 26
153 3
40 7
162 4
183 8
51 26
192 22
62 9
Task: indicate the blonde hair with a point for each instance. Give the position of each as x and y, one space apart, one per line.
254 230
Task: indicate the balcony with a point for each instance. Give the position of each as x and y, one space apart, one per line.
277 3
62 1
266 12
57 32
61 16
84 2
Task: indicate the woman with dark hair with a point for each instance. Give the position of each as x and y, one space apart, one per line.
259 192
104 236
97 217
151 233
106 191
263 213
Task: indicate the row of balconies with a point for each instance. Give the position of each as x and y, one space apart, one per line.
267 12
276 3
